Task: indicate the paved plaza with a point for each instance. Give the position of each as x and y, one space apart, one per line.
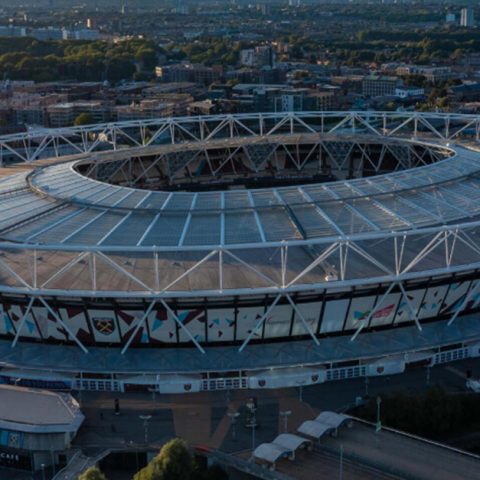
202 418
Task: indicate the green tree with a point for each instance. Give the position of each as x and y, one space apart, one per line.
174 462
92 473
147 56
83 119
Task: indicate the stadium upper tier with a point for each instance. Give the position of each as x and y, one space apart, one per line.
398 204
58 205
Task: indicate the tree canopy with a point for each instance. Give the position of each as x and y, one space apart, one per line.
30 59
84 119
93 473
174 462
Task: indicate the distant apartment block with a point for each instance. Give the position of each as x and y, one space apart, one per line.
281 98
258 57
12 31
64 114
81 34
379 85
409 92
187 72
450 18
49 33
178 101
432 74
466 17
144 110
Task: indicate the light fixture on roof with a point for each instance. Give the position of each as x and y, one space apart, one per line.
331 274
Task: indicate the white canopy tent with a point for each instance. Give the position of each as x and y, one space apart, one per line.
270 453
333 419
314 429
292 442
325 423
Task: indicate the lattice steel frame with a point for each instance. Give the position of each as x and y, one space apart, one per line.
35 144
451 240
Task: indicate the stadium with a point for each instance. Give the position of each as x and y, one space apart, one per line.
239 251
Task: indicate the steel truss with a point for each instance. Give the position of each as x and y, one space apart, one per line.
157 165
449 249
45 143
340 261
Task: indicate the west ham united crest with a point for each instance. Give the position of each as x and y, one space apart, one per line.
104 325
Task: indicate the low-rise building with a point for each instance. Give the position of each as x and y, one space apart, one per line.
144 109
431 73
188 72
466 92
64 114
203 107
282 98
405 92
257 57
36 427
178 101
49 33
81 34
379 85
12 31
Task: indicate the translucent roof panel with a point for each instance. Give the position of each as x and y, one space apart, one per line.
167 230
203 229
241 227
66 206
129 231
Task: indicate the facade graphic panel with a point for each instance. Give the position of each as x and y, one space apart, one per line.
6 325
104 326
385 312
247 319
278 322
194 320
221 325
409 306
76 320
29 328
455 297
128 321
474 298
359 311
334 315
433 301
162 326
48 325
311 314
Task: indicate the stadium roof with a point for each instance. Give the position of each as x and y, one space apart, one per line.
59 205
74 233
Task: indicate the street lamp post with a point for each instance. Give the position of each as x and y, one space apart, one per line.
285 414
145 419
340 473
252 418
52 457
379 422
233 420
300 384
254 424
42 466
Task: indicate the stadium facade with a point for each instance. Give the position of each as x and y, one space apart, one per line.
246 251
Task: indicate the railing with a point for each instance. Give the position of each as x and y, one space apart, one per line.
215 384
